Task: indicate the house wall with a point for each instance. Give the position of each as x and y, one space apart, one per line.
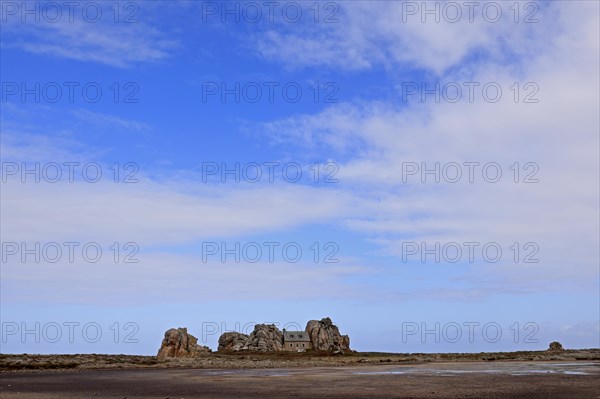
296 345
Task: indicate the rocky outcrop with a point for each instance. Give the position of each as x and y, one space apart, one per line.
178 343
556 347
232 341
325 336
264 338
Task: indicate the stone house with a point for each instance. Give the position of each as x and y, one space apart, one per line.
296 341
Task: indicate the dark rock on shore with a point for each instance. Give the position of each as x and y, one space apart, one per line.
556 347
232 341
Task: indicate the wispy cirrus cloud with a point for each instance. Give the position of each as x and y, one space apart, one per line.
106 42
105 121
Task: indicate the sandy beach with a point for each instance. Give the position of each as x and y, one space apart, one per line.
569 374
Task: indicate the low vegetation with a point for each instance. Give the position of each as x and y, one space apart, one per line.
25 362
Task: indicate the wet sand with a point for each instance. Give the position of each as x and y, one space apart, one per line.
435 380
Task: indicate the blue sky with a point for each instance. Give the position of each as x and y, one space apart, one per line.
374 219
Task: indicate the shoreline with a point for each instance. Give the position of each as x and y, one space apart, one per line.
19 363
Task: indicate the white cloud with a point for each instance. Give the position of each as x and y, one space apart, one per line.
560 134
184 278
371 33
159 213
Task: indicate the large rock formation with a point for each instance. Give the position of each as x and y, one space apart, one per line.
178 343
265 337
232 341
325 336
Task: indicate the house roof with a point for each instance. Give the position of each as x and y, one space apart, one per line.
296 336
